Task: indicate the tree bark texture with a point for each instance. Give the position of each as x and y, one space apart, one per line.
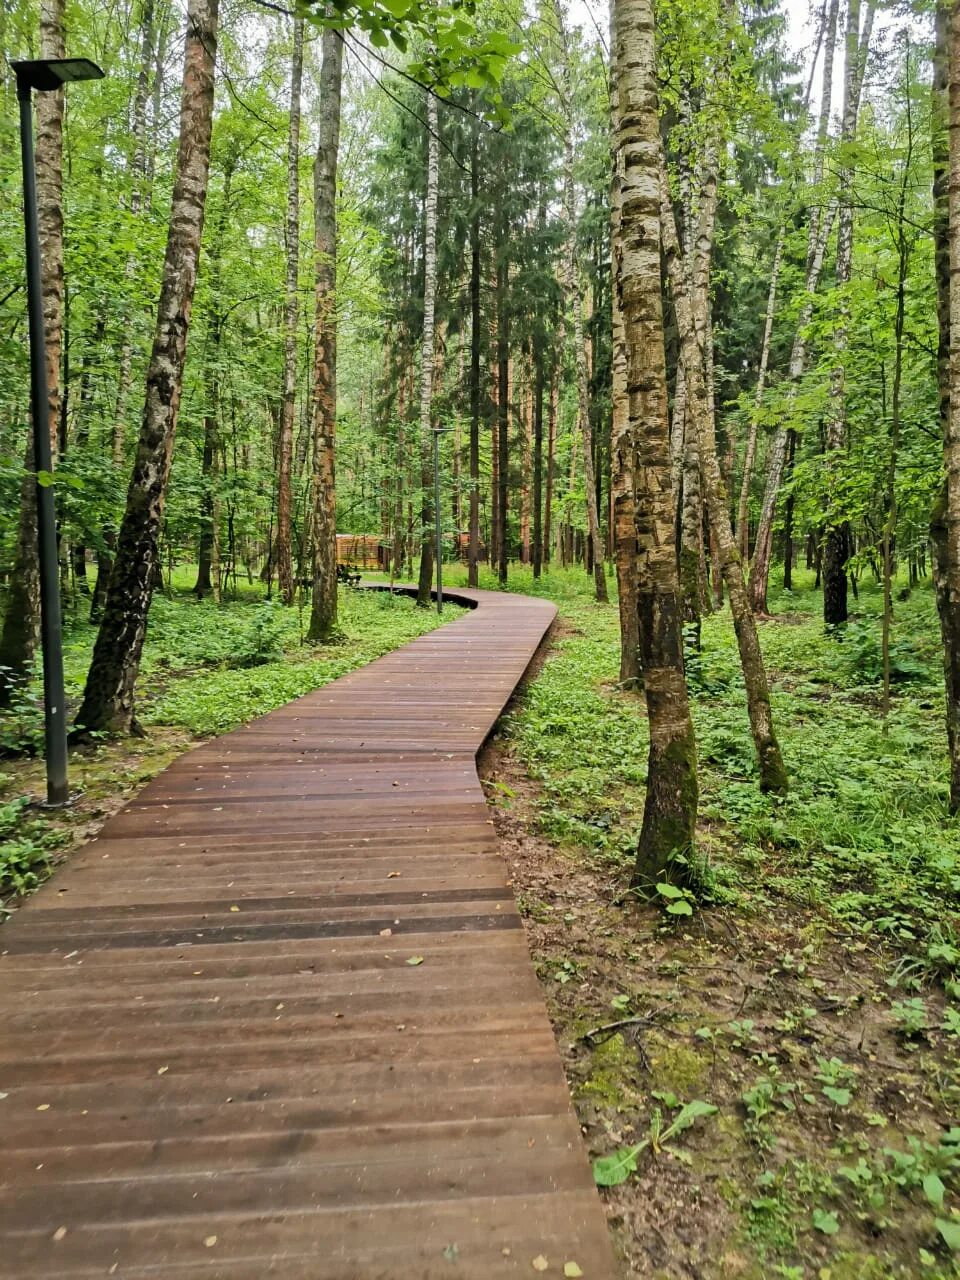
323 611
288 406
108 700
669 816
429 549
773 776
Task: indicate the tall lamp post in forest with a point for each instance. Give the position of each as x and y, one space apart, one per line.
44 76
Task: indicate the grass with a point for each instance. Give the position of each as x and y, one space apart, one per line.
814 997
206 669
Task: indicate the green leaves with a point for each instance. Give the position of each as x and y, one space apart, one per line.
839 1097
610 1171
949 1229
934 1189
679 901
826 1223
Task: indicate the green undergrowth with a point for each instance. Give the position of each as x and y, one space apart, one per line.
812 997
206 669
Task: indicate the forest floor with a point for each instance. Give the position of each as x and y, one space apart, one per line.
206 669
811 996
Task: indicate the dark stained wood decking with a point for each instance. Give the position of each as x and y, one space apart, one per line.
217 1060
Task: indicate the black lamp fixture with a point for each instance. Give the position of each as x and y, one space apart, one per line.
43 75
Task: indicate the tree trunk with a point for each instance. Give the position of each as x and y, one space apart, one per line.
669 815
551 451
622 443
21 624
945 521
108 701
208 551
289 402
475 340
750 452
835 543
429 548
323 613
773 775
138 167
818 233
537 455
788 517
503 417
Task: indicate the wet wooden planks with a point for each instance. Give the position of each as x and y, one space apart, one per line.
279 1018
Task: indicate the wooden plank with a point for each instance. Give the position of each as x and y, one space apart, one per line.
216 1058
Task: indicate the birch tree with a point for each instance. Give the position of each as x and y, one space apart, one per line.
818 233
427 349
574 286
836 541
622 443
323 614
773 776
21 623
946 517
108 699
290 314
670 810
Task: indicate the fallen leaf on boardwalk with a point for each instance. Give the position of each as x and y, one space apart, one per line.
44 1106
162 1071
210 1241
415 960
451 1253
234 908
386 933
392 875
571 1269
4 1095
60 1233
540 1263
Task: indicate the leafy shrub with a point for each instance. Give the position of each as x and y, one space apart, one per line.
863 656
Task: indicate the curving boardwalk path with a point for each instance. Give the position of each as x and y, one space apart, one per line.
216 1059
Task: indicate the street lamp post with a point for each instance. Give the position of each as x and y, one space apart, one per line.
45 75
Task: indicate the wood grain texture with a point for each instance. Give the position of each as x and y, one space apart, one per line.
218 1062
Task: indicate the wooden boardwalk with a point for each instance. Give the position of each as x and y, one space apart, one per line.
221 1055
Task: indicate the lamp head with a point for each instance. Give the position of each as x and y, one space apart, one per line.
44 74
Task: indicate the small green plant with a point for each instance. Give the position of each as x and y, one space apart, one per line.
837 1081
610 1171
911 1018
678 902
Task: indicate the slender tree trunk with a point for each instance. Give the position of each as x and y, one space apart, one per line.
818 234
21 624
788 517
289 403
323 612
537 456
429 548
138 168
551 451
622 444
773 775
475 340
945 520
503 418
750 452
108 701
669 816
208 552
836 538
